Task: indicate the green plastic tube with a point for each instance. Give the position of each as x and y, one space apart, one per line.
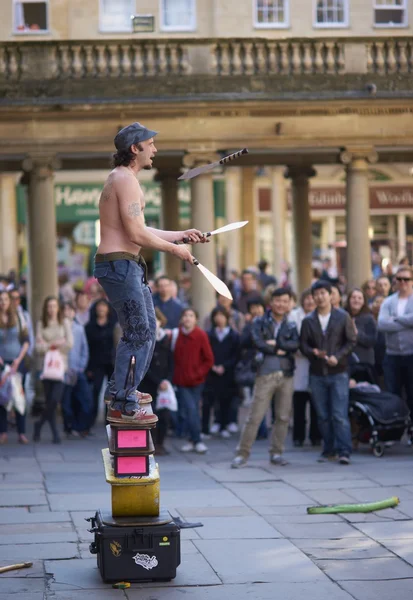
365 507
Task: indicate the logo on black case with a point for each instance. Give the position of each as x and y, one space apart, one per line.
145 561
116 549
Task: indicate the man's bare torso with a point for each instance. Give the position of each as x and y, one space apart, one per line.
113 237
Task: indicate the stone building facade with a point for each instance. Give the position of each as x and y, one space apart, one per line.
311 87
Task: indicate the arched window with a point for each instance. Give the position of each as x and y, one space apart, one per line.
331 13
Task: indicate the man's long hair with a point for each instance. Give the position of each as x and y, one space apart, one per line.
123 158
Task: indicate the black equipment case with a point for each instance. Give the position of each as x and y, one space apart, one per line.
136 548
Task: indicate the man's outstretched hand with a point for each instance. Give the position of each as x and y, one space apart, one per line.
192 236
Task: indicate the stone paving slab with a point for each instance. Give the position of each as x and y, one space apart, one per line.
382 516
108 594
30 552
220 497
243 561
296 519
222 472
83 501
11 585
25 596
219 528
14 486
381 493
396 530
406 508
331 496
325 590
23 516
39 538
22 499
349 548
403 549
189 513
268 493
366 569
321 531
379 590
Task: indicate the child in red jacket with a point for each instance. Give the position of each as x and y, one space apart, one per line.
193 359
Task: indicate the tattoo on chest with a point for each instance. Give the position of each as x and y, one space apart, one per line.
134 209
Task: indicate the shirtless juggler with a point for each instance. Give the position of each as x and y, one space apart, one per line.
122 273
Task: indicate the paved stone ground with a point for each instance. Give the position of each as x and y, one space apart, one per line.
257 541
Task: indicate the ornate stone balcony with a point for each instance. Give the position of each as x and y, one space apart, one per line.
199 67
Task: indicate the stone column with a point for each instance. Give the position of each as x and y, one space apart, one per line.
233 182
203 218
42 238
358 213
278 219
170 214
401 236
301 227
9 259
250 214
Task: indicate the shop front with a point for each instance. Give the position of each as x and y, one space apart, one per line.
77 217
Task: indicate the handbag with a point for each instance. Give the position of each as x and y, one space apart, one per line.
53 366
5 388
166 399
17 393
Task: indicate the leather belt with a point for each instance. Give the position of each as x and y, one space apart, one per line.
112 256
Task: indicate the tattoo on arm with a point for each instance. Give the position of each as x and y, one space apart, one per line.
134 210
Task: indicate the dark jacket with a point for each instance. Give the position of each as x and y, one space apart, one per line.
339 341
226 353
101 341
287 340
366 338
161 367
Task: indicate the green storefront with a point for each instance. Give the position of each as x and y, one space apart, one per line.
77 215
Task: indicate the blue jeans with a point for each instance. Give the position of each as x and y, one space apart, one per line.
125 284
398 376
77 405
330 399
189 401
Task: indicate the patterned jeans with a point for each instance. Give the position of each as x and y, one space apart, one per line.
125 284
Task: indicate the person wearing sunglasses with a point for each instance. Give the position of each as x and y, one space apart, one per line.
396 322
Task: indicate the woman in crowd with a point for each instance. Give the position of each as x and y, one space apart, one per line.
220 385
14 344
369 290
236 318
366 330
100 333
336 299
302 396
53 332
380 345
157 378
193 359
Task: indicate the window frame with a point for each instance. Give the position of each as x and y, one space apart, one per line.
285 25
32 31
174 28
116 29
344 25
403 8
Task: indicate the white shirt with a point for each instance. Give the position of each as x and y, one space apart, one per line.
401 306
324 321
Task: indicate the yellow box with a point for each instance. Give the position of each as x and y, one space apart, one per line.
133 496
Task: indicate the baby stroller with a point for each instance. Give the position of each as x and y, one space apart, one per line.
377 417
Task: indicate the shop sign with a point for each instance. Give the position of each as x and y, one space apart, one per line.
396 197
80 201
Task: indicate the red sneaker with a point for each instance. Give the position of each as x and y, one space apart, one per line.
138 416
143 398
